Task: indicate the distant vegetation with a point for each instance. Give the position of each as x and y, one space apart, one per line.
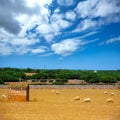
60 76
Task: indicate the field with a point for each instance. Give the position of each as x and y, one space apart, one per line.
45 105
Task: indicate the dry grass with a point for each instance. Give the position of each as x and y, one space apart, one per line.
45 105
30 74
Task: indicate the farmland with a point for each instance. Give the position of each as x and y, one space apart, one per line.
45 105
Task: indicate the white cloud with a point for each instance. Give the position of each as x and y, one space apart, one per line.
55 28
43 11
97 8
50 30
56 11
65 2
69 46
20 50
56 16
13 40
27 15
63 24
88 23
40 49
106 8
14 44
23 41
70 15
85 25
58 19
66 47
112 40
106 11
89 34
39 18
12 9
49 37
5 49
33 3
85 8
44 29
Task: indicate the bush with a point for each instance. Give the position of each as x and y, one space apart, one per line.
60 81
1 81
51 80
43 80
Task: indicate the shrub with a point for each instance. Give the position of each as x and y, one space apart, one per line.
43 80
1 81
60 81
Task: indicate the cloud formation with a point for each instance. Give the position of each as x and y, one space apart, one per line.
9 10
65 47
96 13
65 2
40 49
112 40
28 25
68 46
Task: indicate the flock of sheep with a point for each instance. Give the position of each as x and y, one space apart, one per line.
77 98
109 100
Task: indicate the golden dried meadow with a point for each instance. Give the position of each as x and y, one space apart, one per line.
45 105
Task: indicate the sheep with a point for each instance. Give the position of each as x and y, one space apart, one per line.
105 92
57 92
109 100
53 91
76 98
3 96
113 94
87 100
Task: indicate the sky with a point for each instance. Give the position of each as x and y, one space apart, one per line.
60 34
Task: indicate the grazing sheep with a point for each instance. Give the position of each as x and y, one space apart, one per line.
3 96
76 98
105 92
109 100
87 100
53 91
57 92
113 94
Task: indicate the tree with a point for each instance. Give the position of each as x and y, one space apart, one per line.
1 81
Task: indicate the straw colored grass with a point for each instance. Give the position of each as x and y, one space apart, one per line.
44 105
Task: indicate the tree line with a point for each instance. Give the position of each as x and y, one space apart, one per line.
59 75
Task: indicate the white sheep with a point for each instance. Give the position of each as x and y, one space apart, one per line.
57 92
3 96
113 94
53 91
109 100
105 92
76 98
87 100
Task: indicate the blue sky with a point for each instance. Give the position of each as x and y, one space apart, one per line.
60 34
